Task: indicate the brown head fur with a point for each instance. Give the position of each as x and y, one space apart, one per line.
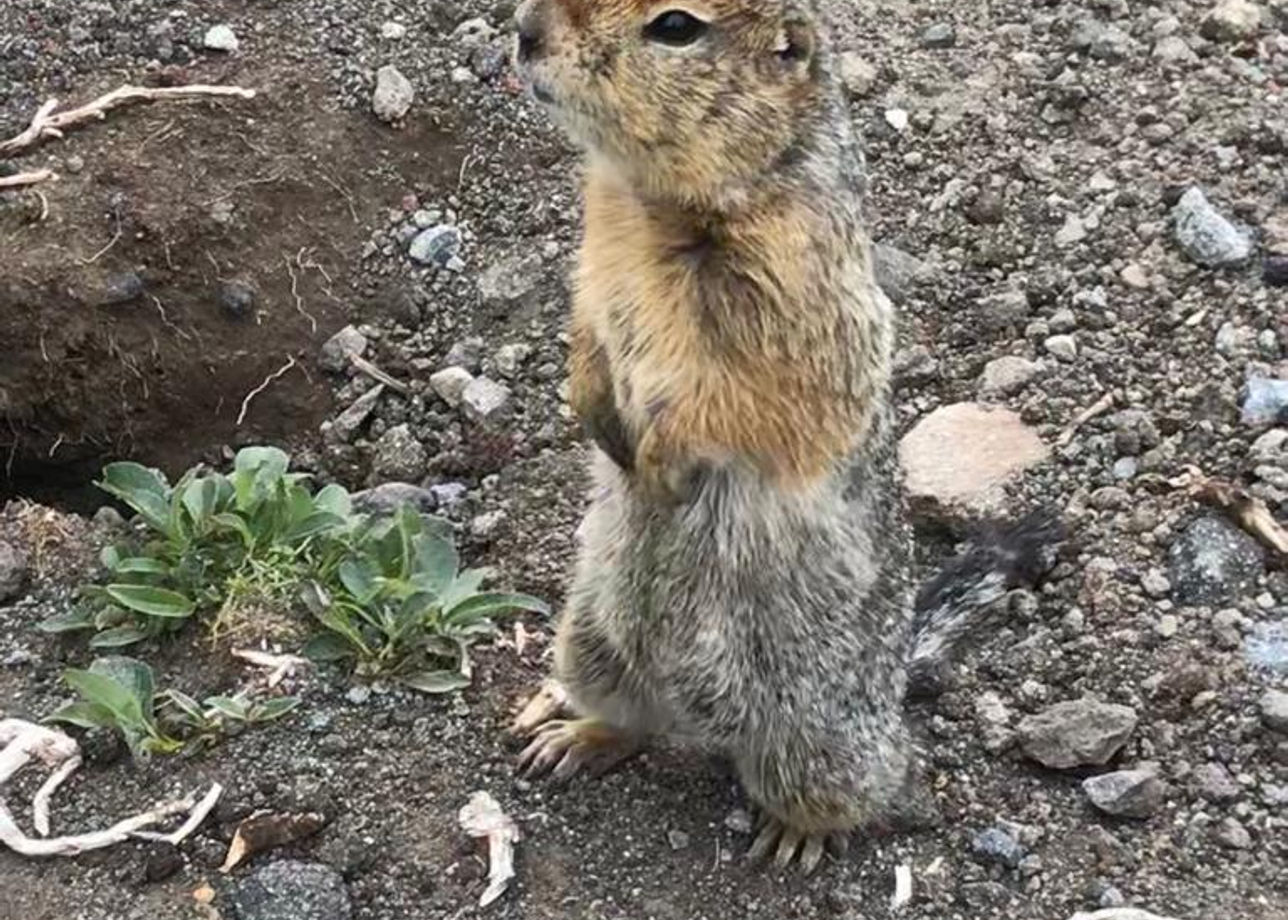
695 123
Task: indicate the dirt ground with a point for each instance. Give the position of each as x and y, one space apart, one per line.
1044 147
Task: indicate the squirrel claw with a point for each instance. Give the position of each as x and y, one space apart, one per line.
787 844
565 747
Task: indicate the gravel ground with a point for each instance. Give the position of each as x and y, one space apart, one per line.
1030 168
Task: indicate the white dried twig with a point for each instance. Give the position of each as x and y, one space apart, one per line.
1103 404
46 124
483 817
18 180
902 886
280 666
1241 506
24 742
377 374
40 801
199 813
245 406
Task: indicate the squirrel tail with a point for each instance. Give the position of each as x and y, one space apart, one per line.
962 600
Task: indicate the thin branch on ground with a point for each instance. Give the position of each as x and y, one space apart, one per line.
376 373
47 124
295 292
1241 506
268 381
1102 405
344 193
23 179
110 243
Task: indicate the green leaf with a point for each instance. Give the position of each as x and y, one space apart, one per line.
481 606
84 715
273 709
329 646
110 557
140 565
271 461
130 673
466 585
228 707
437 681
435 562
110 616
101 690
142 489
359 578
315 597
187 705
335 499
156 602
316 523
201 498
118 637
73 620
229 520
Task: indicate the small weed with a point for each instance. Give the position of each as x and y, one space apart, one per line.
401 605
230 548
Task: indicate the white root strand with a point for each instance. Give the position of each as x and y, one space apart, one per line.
24 742
483 817
46 124
20 843
280 666
40 801
902 886
19 180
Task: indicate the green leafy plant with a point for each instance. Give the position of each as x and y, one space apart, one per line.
213 541
388 590
118 693
400 605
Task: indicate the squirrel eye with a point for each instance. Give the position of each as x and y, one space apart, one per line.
675 27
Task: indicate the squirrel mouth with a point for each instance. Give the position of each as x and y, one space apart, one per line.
542 94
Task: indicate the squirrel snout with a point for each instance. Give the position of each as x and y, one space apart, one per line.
531 29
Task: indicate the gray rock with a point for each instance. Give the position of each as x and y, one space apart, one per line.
13 571
1071 232
393 96
448 494
346 424
1205 235
398 455
996 845
1212 562
390 496
450 384
1008 375
485 526
107 518
121 288
510 280
436 245
1215 783
291 890
939 35
858 74
1174 49
914 364
510 358
1125 793
221 38
1119 913
678 840
393 31
473 32
1266 402
1267 647
898 273
1062 347
1155 584
1005 308
1231 21
484 400
337 350
235 298
489 60
1101 40
1274 710
467 353
1232 835
1076 733
738 821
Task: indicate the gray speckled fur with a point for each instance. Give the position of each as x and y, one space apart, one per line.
770 628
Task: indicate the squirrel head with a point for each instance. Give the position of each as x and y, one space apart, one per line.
695 101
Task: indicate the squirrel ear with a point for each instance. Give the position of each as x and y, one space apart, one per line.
796 38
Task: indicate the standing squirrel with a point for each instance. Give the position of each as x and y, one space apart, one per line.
743 581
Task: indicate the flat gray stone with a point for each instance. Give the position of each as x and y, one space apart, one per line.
1076 733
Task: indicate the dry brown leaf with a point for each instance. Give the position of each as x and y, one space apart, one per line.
265 830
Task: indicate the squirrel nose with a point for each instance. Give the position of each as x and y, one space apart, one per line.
531 31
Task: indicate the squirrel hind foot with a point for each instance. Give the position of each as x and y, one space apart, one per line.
787 844
563 748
